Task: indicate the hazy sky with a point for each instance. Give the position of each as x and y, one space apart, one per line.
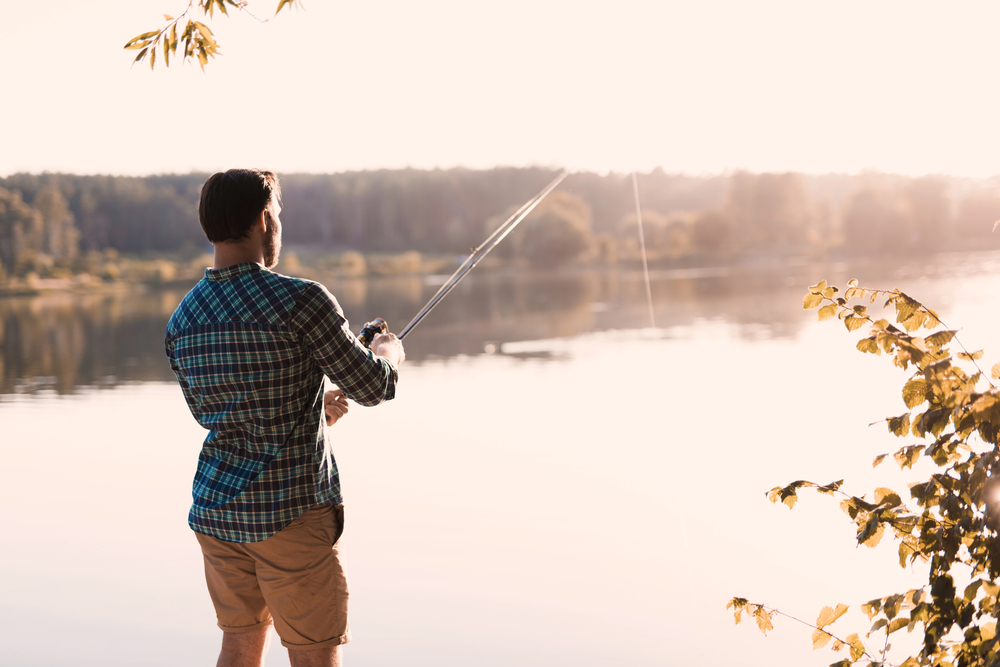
692 86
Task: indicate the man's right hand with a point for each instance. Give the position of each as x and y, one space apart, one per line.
388 346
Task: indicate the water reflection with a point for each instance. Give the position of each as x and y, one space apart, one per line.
61 342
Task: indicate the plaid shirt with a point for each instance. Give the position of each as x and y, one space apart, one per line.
250 348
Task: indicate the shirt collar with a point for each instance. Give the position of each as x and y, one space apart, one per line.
234 271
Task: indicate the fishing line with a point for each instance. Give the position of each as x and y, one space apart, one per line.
642 247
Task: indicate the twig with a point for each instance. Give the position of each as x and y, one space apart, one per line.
870 657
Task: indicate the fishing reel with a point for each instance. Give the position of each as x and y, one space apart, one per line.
372 329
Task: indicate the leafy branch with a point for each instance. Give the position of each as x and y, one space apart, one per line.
951 518
820 637
195 35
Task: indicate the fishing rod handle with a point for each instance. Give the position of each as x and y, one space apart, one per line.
372 329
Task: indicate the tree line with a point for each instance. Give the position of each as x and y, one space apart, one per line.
52 221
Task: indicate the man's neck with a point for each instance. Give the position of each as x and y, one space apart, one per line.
230 253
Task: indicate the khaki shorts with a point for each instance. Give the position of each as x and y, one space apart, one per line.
294 578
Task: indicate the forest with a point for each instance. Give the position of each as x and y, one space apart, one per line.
59 225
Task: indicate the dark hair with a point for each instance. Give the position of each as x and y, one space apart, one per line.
232 200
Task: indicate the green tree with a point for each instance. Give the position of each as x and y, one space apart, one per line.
950 520
711 232
896 221
556 232
60 238
20 230
929 207
769 211
876 220
665 235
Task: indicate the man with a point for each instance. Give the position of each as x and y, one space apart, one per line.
250 348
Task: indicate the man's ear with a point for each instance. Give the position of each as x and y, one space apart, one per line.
261 221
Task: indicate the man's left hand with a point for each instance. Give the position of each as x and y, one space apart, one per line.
335 406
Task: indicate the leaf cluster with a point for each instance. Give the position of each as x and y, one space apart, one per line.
821 636
195 36
950 519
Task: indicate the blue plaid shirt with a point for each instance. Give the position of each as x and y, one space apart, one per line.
250 348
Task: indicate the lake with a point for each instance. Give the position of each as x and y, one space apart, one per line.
557 482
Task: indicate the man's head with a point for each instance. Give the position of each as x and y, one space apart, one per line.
238 204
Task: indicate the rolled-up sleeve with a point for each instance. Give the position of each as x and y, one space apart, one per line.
319 322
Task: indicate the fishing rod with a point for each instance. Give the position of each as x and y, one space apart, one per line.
378 325
642 246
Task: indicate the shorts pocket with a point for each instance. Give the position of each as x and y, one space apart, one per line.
338 513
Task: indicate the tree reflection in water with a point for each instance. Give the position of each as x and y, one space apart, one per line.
64 342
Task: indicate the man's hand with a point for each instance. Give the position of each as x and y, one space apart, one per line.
335 406
388 346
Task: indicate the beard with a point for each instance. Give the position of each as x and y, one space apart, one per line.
272 244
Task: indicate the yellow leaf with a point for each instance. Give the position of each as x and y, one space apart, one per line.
202 28
870 537
940 339
811 300
828 311
828 615
905 551
857 648
763 621
821 638
882 493
914 322
898 624
914 393
853 322
905 307
877 625
140 38
869 345
988 630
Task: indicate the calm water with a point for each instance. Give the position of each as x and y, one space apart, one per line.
554 484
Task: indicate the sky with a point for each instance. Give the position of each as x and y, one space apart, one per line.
700 87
